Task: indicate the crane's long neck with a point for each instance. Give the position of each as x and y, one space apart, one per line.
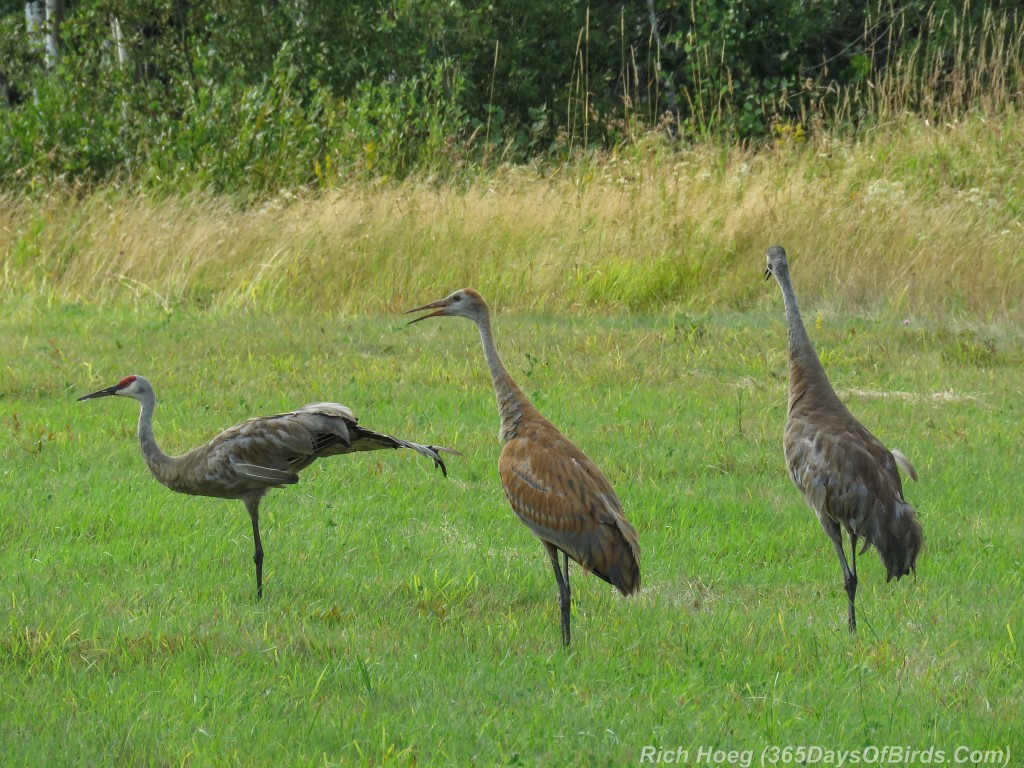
807 378
512 403
159 463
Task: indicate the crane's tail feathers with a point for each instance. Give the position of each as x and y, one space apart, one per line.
620 565
900 541
626 573
904 463
267 475
624 576
632 586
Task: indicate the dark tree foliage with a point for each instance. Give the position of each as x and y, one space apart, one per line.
243 95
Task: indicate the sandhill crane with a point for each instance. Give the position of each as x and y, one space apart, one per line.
557 491
847 476
250 458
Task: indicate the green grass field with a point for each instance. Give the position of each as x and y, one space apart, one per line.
412 620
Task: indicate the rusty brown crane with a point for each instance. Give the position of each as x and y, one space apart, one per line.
557 491
250 458
847 476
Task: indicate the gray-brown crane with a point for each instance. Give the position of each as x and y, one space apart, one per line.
248 459
846 474
557 491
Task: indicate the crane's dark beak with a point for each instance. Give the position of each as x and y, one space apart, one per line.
767 274
440 306
101 393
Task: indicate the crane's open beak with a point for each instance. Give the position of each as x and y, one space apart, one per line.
440 306
101 393
767 274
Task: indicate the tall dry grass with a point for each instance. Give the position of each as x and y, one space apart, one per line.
980 69
922 219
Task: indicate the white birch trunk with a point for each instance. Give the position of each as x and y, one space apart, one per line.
35 20
42 22
120 44
54 15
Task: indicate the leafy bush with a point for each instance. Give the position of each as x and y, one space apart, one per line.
232 96
228 136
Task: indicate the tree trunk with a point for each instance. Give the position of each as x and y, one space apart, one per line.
54 16
120 44
42 22
35 20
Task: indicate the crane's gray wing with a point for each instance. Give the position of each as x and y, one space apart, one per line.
270 451
851 479
263 452
840 460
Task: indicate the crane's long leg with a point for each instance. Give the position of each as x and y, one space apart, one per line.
851 582
563 589
253 505
849 576
566 607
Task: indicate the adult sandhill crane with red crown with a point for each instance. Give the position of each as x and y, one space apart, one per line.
557 491
250 458
846 474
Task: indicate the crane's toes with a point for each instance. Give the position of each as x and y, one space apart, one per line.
438 461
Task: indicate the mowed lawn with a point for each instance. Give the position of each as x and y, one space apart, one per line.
413 620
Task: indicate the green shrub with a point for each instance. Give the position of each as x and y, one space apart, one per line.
228 97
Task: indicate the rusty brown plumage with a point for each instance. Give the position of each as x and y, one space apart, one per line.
554 488
246 460
561 495
846 474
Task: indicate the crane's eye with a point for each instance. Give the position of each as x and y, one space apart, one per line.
457 297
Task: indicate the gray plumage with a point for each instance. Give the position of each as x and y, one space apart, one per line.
846 474
248 459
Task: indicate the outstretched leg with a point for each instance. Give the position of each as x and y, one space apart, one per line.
563 589
253 505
